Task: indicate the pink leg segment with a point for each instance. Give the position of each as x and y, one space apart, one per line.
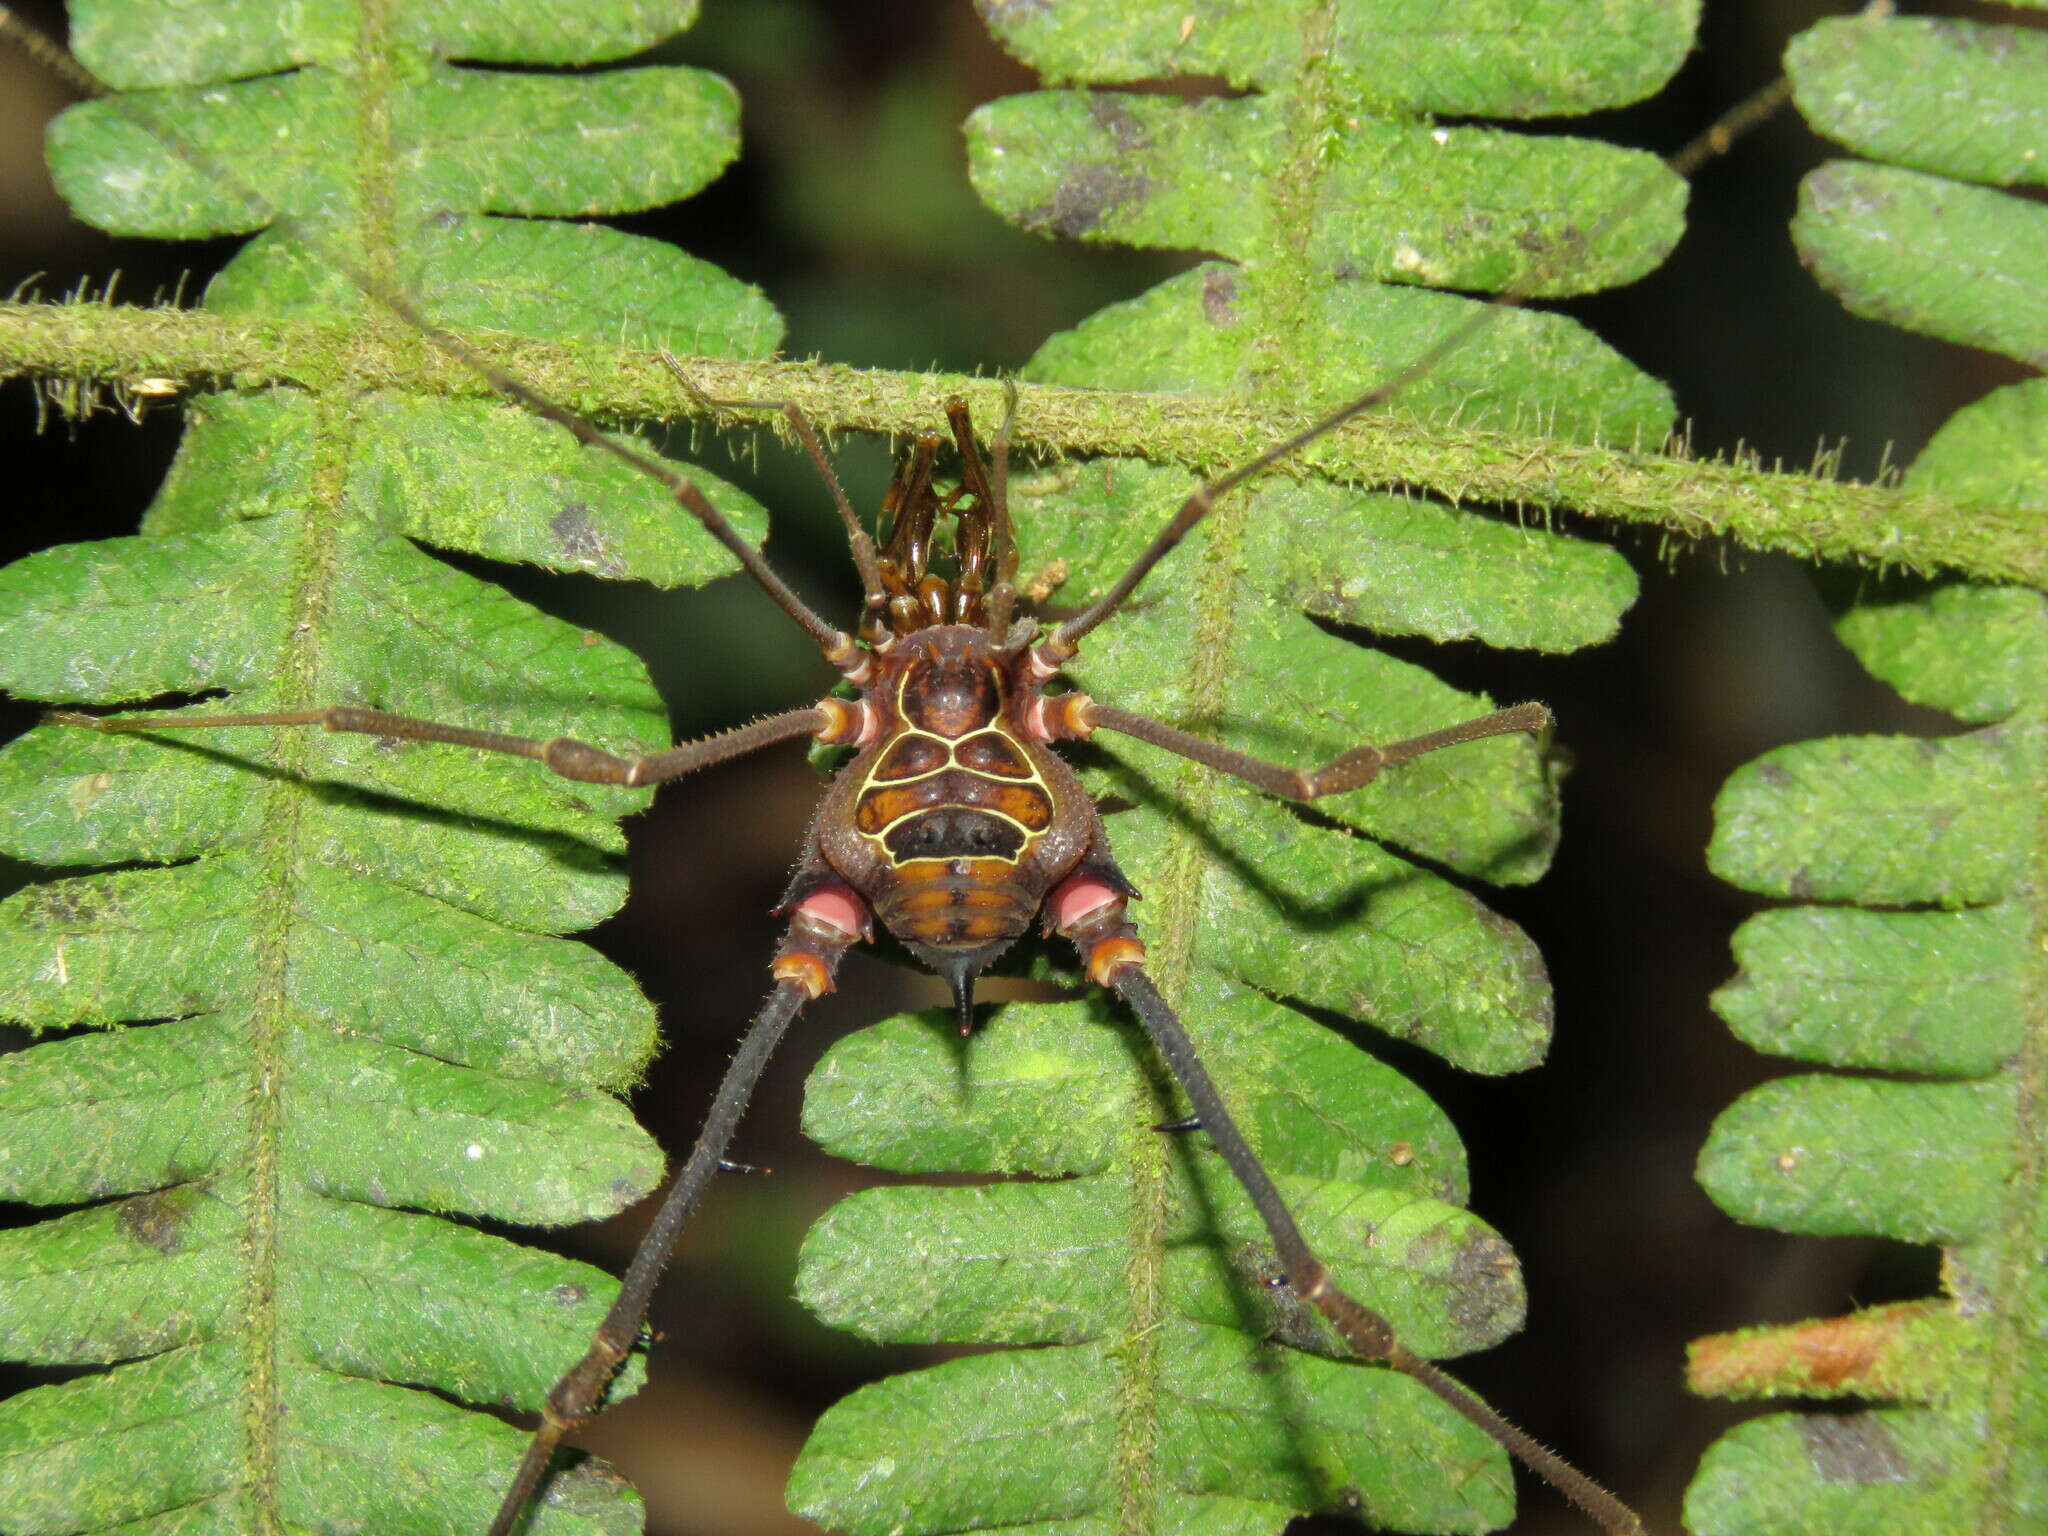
838 907
1074 898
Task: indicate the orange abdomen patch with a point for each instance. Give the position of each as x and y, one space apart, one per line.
955 904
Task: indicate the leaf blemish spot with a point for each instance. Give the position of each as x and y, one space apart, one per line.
87 790
1219 296
1085 197
155 1221
1852 1448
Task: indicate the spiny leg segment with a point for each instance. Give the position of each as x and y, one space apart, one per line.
804 969
564 755
1353 770
1114 957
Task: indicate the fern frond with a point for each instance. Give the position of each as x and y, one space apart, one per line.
1181 1391
365 1025
1926 962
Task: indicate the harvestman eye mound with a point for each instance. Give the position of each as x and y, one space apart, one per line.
954 824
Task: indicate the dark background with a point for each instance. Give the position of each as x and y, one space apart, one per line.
850 208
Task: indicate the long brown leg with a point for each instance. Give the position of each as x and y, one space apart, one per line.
804 968
1110 949
565 755
1003 596
857 538
839 648
1715 140
1361 765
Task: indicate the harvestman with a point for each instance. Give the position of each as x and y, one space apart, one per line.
954 823
956 827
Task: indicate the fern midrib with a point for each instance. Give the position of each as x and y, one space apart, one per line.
2015 1351
1172 937
1291 201
1768 509
1170 941
302 677
263 1396
376 147
298 670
